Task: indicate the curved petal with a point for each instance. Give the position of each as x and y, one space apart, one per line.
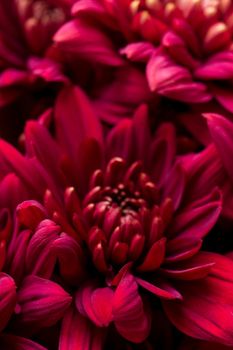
96 304
88 41
41 303
206 311
7 298
79 132
197 267
221 131
198 221
78 333
154 257
130 317
13 342
163 290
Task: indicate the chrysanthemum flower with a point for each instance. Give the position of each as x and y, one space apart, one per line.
29 64
183 47
119 224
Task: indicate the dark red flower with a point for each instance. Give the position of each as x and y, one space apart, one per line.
119 223
29 64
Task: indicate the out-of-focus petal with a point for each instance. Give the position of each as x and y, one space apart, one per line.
206 309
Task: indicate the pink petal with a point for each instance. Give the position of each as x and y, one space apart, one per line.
30 214
96 304
162 152
140 134
12 192
70 258
130 318
81 38
204 172
217 67
154 257
27 172
41 303
197 267
46 69
169 79
224 96
41 145
161 290
40 260
78 333
174 185
7 298
82 125
221 131
206 311
119 141
13 342
198 221
138 52
120 98
182 249
82 122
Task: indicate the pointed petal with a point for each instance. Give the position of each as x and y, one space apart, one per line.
12 161
174 185
197 267
7 298
41 303
198 221
96 304
81 123
206 311
162 290
224 96
221 130
13 342
129 315
78 333
30 214
87 41
218 67
154 257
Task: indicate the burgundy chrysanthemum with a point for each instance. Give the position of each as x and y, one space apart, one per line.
118 223
182 48
29 64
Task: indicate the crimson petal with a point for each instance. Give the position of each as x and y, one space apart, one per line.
206 311
78 333
131 319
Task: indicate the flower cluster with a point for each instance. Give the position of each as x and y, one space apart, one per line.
116 175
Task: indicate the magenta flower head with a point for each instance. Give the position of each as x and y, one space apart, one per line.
117 222
29 63
184 48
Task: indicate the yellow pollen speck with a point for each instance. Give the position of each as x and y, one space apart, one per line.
210 11
220 27
144 16
22 5
134 6
169 8
153 4
31 23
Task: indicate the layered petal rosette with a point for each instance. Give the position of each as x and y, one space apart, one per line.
182 48
118 222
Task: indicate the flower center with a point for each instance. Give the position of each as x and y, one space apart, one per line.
123 197
39 20
118 212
